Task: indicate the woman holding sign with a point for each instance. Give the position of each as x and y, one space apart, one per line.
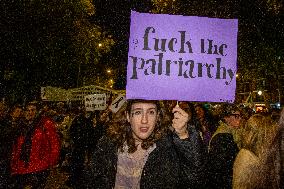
139 151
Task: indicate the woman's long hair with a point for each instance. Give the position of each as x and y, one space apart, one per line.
258 134
261 136
273 160
119 130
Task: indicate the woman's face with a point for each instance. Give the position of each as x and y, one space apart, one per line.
234 119
199 112
142 118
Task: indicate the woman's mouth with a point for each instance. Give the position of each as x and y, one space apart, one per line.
144 129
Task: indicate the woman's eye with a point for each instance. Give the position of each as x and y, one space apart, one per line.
137 113
152 112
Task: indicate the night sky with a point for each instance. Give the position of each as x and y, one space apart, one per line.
114 17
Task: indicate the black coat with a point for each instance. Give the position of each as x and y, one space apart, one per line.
222 154
83 134
174 163
7 136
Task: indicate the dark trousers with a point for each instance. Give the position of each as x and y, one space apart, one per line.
5 175
76 167
35 180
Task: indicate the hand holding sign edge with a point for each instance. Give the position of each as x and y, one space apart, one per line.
179 122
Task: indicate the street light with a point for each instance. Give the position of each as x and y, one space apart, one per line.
259 93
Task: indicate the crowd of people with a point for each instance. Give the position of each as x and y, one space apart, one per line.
146 144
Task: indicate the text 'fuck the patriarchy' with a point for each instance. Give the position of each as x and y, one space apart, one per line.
186 68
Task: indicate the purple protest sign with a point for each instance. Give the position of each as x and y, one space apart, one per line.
185 58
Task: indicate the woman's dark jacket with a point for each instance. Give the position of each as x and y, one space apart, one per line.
174 163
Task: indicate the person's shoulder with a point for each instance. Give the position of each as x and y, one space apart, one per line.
46 122
223 137
223 141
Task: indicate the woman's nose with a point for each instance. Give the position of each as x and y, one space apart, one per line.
144 118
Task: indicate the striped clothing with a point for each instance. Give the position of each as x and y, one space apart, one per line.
129 168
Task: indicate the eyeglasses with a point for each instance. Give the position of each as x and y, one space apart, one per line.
237 116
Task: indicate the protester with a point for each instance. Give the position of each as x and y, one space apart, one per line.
60 112
98 130
207 125
186 106
256 139
7 136
139 152
223 149
66 143
82 135
35 150
268 172
15 115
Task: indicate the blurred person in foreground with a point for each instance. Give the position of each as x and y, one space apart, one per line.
268 172
257 137
85 133
36 149
139 151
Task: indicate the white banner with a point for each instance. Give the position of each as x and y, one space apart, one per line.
95 102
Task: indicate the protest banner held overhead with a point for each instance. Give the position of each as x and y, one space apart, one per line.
189 58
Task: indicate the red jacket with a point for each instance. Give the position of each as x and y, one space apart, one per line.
44 151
